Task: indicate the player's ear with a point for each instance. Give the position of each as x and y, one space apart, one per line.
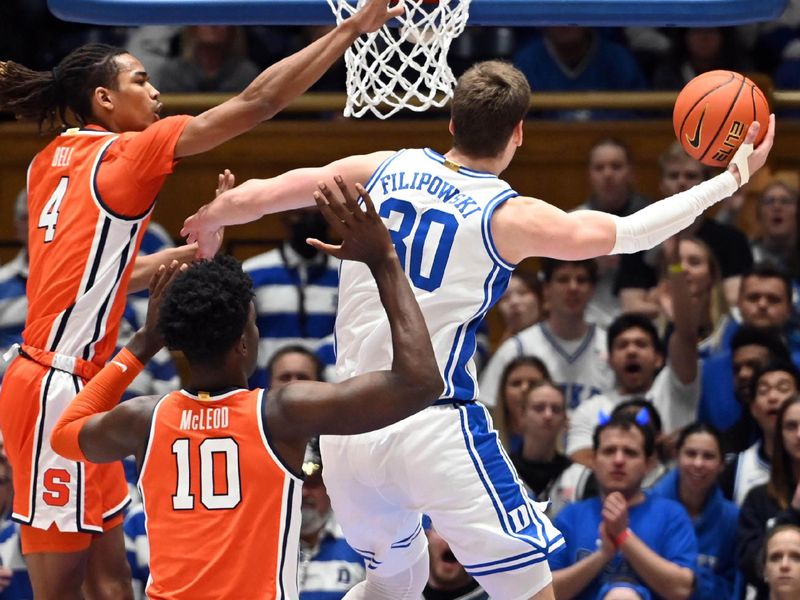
517 134
451 127
102 98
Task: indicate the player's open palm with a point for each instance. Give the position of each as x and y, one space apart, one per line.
364 236
159 283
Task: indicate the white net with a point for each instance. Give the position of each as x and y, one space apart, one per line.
405 66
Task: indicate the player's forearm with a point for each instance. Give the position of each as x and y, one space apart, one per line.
665 578
661 220
101 394
413 359
570 581
146 265
258 197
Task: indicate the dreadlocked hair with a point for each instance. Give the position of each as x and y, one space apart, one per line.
206 308
45 96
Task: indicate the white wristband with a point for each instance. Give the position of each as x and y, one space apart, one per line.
740 160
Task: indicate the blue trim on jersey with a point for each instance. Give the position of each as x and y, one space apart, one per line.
532 561
379 171
406 542
462 170
499 478
486 229
370 558
570 358
466 386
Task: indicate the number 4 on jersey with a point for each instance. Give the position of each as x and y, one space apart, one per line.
49 215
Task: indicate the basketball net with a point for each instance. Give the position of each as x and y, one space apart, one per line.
405 66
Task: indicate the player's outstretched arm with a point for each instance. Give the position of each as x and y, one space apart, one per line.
373 400
257 197
524 227
281 83
95 427
145 266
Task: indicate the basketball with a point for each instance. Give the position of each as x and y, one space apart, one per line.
713 113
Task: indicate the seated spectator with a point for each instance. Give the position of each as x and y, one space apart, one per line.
764 304
293 363
776 243
577 59
636 357
447 579
698 50
624 534
776 502
633 408
572 348
328 566
520 375
296 288
730 374
521 305
547 472
611 184
213 60
771 387
623 590
781 562
693 483
704 285
638 273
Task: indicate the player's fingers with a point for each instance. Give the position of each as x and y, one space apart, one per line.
766 143
396 11
336 207
752 132
327 212
349 199
367 200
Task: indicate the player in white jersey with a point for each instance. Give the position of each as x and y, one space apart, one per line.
459 231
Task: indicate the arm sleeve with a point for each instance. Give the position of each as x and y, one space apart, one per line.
134 167
680 539
100 395
663 219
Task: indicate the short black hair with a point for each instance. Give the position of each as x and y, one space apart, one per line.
297 349
550 265
626 422
749 335
766 270
206 308
627 321
773 366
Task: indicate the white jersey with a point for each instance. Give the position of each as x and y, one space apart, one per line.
438 215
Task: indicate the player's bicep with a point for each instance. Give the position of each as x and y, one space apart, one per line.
526 227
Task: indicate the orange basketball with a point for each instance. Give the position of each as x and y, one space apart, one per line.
713 113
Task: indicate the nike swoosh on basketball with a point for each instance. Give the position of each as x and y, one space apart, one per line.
694 141
122 367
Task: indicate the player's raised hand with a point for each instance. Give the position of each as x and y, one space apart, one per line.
208 241
150 333
375 13
756 158
364 236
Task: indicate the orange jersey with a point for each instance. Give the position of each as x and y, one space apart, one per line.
90 195
222 511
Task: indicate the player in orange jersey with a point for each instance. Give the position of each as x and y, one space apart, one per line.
90 196
221 465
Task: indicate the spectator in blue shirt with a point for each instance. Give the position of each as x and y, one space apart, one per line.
624 534
694 484
577 59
